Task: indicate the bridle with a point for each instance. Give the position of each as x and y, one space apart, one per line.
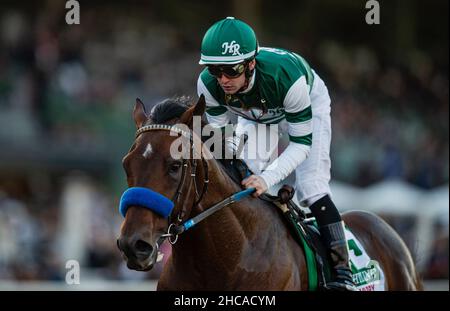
179 191
177 226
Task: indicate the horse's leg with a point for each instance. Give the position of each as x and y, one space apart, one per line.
383 244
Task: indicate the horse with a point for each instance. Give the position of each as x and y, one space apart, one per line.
243 246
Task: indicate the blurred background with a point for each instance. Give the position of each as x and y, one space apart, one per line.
67 93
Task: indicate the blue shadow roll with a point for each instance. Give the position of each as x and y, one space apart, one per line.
139 196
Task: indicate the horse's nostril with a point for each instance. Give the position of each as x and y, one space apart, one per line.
143 247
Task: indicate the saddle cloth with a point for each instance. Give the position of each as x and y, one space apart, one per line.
367 273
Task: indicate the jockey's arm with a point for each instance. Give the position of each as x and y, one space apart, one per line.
297 105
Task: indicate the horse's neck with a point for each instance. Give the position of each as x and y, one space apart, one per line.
224 242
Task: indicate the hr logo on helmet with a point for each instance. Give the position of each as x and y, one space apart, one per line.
231 48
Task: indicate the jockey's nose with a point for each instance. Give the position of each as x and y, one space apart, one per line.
134 247
223 79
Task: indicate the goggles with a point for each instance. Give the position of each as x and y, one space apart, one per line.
230 71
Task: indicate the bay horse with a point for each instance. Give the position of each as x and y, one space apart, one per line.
244 246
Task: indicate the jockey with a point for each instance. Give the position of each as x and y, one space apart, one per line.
274 86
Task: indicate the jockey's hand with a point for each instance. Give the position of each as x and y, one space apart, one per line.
257 182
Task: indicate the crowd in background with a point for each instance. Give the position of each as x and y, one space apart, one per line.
79 86
75 88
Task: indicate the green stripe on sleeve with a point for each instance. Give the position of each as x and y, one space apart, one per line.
309 74
300 116
304 140
216 111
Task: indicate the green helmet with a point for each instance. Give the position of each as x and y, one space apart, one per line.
229 41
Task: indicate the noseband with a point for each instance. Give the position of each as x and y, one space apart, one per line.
158 203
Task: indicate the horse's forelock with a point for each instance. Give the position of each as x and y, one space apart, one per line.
169 109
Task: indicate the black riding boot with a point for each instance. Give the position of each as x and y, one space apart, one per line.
331 229
334 239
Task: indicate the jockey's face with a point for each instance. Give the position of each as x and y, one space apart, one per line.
232 85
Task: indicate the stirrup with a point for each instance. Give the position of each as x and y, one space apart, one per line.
342 282
340 286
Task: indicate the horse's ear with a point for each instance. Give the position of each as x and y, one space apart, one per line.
200 106
197 110
139 113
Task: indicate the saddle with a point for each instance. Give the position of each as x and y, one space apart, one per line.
304 229
302 226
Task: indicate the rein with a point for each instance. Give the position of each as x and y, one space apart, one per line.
163 206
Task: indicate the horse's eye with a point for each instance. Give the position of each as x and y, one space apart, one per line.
174 167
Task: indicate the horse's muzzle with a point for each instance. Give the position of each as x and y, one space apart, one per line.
139 254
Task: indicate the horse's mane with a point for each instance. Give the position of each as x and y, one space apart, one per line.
171 109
